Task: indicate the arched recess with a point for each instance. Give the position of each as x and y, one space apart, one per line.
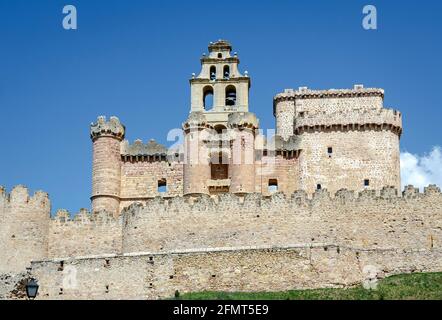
208 97
219 128
212 73
226 72
230 95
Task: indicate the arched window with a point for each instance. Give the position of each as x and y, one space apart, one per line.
230 96
208 97
219 128
226 72
220 55
212 73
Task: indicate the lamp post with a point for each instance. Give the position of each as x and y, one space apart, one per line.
31 289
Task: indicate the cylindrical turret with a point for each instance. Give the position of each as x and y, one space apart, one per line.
284 112
196 162
242 160
106 170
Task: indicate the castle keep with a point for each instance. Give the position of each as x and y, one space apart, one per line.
329 139
316 204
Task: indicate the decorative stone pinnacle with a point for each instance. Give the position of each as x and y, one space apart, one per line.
103 128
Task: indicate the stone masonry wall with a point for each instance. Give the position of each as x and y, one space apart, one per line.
282 169
153 275
139 180
85 234
28 233
356 155
24 223
337 104
285 117
367 220
371 220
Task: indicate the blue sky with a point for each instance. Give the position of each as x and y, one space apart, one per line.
133 59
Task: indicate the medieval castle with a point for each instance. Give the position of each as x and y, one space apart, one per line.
231 209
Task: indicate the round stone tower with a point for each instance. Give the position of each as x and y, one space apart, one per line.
197 170
242 160
284 112
106 170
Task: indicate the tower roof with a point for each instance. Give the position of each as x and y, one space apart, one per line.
220 45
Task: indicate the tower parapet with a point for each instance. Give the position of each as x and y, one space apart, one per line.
243 120
305 93
111 128
151 151
350 120
106 170
293 104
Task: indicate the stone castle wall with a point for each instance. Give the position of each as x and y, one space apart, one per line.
85 234
356 156
248 269
139 180
369 220
289 242
285 170
24 228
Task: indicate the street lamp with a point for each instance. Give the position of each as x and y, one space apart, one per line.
31 289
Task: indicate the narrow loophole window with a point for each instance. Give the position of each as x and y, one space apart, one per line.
330 151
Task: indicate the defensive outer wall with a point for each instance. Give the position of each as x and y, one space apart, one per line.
248 242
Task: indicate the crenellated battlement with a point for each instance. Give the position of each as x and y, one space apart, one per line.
24 223
139 151
368 219
306 93
104 128
205 203
84 216
20 196
350 120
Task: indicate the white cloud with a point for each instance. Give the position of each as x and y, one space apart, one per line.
422 170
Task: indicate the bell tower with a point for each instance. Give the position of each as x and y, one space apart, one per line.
219 123
220 88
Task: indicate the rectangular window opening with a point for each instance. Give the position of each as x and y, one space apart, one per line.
162 186
330 151
273 185
366 183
